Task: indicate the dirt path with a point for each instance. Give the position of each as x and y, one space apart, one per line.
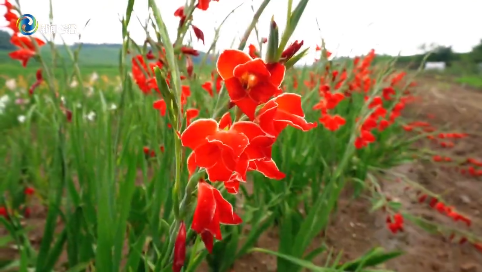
354 230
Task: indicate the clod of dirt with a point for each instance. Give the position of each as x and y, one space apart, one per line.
465 199
468 267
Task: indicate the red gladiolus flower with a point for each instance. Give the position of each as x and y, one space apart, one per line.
148 151
225 121
189 66
369 124
29 191
364 139
211 211
25 42
191 114
332 123
37 83
161 106
189 51
179 12
179 249
218 151
422 198
199 34
27 212
3 212
282 111
143 76
329 102
208 86
7 4
23 55
383 125
253 52
478 246
249 82
387 92
396 225
289 52
257 155
150 55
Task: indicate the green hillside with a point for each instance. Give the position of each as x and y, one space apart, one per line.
102 58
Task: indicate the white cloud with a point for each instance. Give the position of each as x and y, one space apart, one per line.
350 27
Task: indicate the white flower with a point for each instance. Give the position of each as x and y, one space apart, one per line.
21 118
94 77
90 116
11 84
4 99
74 84
113 106
62 99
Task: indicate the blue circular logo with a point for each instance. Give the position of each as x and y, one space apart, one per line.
27 24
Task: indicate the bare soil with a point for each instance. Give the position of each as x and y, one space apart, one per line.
355 230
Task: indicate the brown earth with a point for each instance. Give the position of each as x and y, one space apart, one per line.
355 230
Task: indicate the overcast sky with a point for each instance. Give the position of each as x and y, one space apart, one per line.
349 27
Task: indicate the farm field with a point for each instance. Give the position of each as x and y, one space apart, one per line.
159 157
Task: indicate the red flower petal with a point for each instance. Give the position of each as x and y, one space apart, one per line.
237 142
191 163
161 106
225 210
248 106
191 114
180 249
225 121
256 67
277 71
228 60
207 155
269 169
235 89
196 133
262 92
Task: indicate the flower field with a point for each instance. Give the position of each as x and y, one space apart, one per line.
249 162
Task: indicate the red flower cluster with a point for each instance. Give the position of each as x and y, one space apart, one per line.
438 158
11 17
249 82
216 81
446 210
334 87
396 224
227 150
143 76
25 45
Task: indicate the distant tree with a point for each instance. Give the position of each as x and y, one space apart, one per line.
5 41
442 53
476 53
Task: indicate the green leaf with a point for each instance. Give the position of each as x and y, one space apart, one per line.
294 260
374 257
291 62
